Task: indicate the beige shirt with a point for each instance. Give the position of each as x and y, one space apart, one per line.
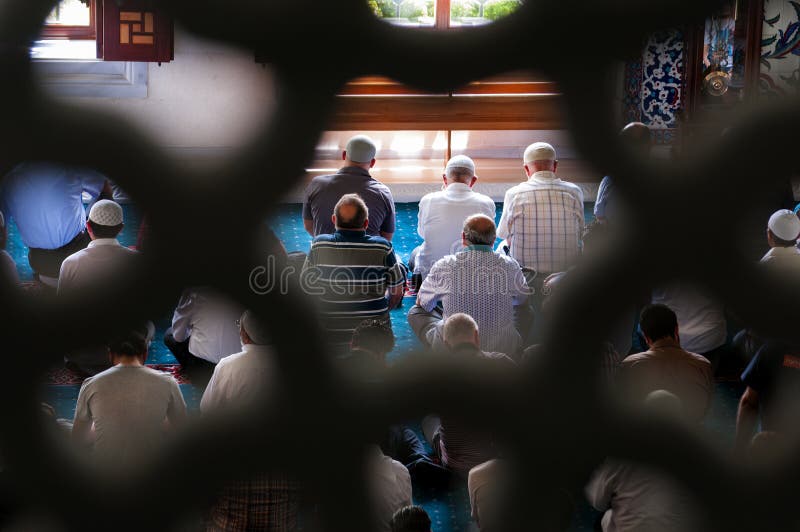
635 498
483 485
665 366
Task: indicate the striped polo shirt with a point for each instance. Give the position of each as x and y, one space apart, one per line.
348 272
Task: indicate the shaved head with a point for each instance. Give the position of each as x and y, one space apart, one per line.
636 135
350 212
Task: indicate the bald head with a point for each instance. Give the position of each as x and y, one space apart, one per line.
479 230
350 213
460 329
636 135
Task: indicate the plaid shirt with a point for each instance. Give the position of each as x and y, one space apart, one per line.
269 503
543 222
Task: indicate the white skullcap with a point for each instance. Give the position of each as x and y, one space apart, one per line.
784 224
461 161
539 151
360 149
106 212
254 327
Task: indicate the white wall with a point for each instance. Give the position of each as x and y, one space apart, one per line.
202 105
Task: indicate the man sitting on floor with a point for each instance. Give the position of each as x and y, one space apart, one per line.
46 201
441 215
459 448
203 332
121 411
772 381
93 266
372 341
782 259
783 230
476 281
353 178
701 318
634 497
103 257
267 501
352 272
542 223
666 366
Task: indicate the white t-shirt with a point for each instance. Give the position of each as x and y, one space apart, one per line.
128 405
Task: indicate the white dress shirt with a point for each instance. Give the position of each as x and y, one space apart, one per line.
484 284
390 486
441 221
543 222
701 319
96 263
240 378
208 320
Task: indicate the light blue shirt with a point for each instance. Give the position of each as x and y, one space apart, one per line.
45 200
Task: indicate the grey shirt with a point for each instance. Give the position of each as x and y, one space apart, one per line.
324 191
128 405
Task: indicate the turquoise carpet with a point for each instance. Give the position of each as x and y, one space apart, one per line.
449 510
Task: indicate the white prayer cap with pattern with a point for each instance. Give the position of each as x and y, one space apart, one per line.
539 151
461 161
784 224
106 212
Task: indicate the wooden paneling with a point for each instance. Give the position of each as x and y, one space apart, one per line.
447 113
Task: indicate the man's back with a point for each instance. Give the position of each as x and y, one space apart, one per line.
668 367
543 219
639 499
482 284
785 260
208 319
128 405
45 201
264 501
441 220
240 378
462 447
350 272
323 192
99 262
